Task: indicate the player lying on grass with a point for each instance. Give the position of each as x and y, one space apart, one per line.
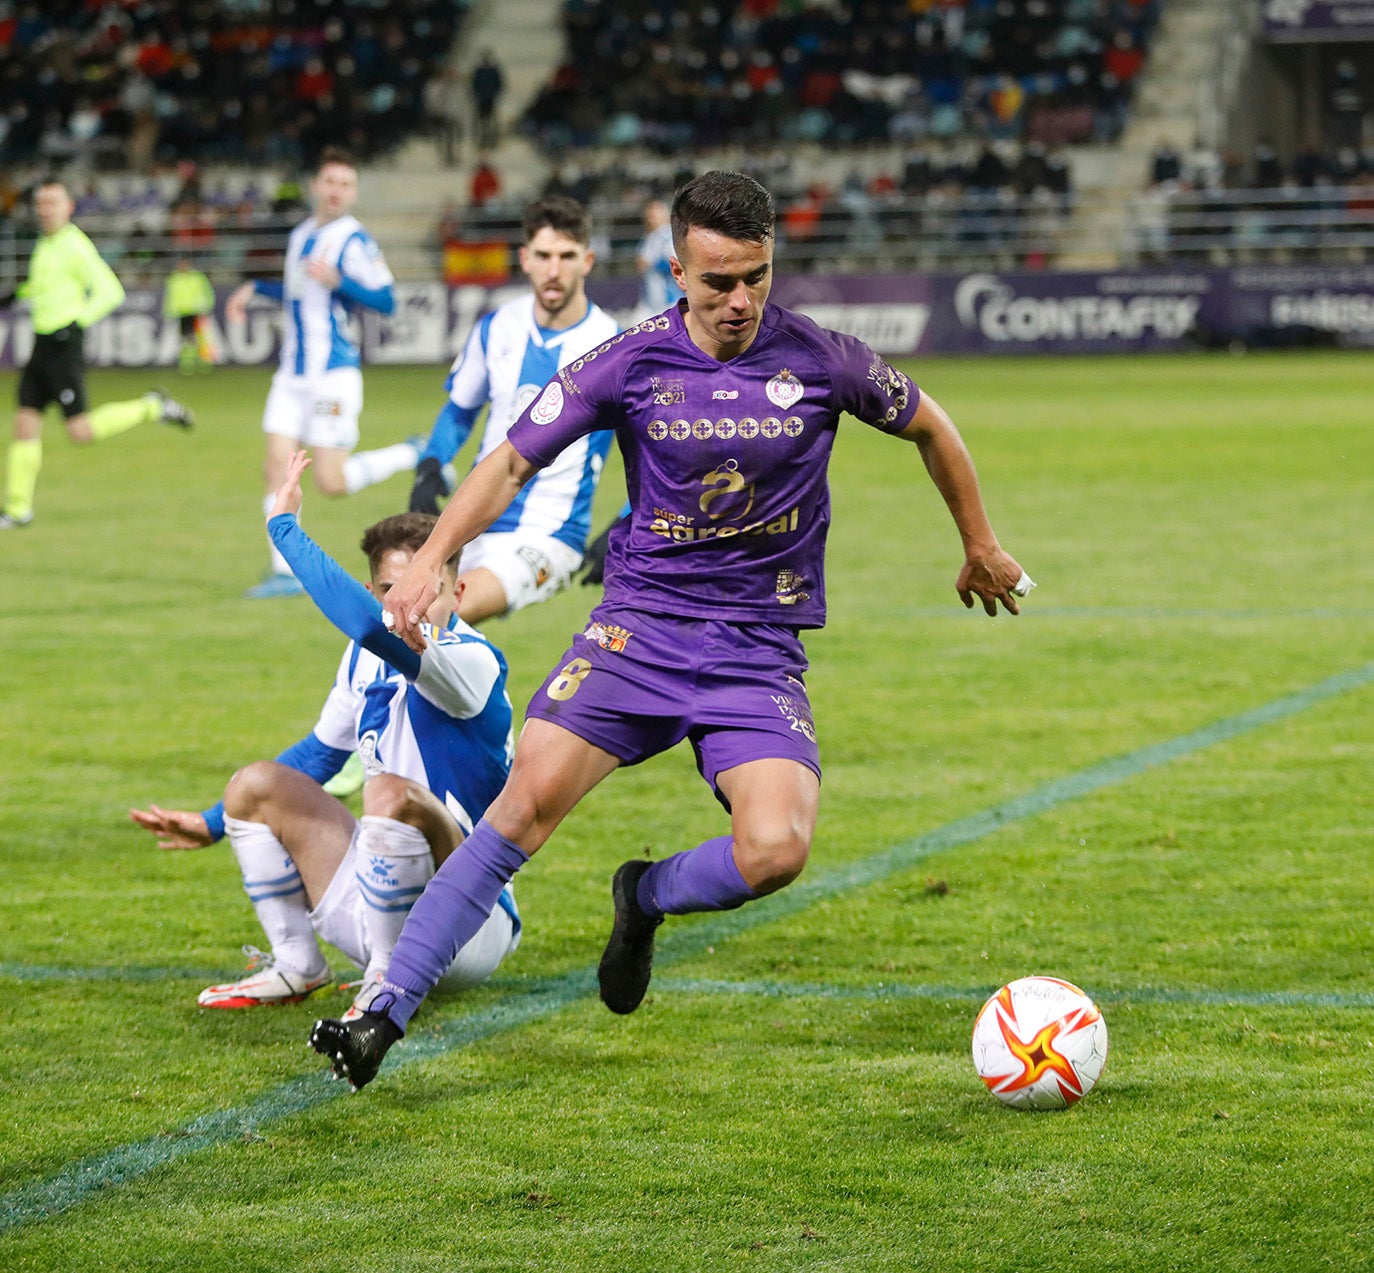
434 731
726 410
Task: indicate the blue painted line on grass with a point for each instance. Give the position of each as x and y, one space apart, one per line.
79 1180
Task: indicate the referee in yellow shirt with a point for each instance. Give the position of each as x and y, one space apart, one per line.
68 289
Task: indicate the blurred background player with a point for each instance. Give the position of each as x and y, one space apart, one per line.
654 259
536 545
69 288
333 266
189 298
436 733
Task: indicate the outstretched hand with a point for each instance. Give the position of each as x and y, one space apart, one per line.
289 492
174 828
992 577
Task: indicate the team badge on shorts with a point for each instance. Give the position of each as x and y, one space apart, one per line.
550 406
608 636
541 568
784 390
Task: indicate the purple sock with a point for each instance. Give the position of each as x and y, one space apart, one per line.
454 905
702 879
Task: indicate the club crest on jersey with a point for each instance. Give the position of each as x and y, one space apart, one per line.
608 636
784 390
550 405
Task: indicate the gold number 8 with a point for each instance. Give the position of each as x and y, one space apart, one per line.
568 681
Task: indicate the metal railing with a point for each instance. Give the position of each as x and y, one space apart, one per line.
944 230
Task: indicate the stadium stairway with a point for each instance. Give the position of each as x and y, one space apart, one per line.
526 38
1180 96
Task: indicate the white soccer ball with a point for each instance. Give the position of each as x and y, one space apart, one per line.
1039 1043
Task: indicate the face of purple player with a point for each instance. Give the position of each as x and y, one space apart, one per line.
726 282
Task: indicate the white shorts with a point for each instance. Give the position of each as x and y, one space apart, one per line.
320 411
530 567
338 919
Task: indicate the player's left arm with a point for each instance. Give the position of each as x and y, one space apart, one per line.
989 571
341 598
363 276
104 291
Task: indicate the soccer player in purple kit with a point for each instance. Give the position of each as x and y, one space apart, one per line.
726 410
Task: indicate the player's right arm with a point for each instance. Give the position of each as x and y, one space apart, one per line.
482 497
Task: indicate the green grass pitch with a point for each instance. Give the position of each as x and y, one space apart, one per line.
1156 783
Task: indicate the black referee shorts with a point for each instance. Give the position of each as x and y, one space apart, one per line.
56 372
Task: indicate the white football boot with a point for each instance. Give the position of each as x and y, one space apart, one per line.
265 982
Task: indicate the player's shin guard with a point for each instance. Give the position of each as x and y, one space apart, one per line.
112 418
22 463
366 468
702 879
454 906
275 888
393 866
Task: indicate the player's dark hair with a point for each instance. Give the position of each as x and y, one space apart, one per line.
728 203
336 155
406 531
559 213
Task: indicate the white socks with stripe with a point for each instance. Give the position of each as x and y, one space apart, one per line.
275 888
393 865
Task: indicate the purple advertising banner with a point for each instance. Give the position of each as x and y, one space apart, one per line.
1317 19
987 312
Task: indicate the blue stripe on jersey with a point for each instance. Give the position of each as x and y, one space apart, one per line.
299 328
342 351
376 713
472 763
537 367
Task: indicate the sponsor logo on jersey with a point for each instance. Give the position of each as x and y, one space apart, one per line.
789 588
550 405
725 428
667 393
784 390
608 636
724 395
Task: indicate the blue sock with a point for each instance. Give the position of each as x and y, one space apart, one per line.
702 879
454 905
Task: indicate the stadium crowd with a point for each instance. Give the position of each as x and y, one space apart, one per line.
124 85
1222 205
675 76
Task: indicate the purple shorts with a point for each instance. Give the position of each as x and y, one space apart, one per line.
635 684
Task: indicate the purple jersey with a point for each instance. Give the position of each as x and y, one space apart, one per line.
725 461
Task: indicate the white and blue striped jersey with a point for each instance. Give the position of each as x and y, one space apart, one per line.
508 360
657 287
315 331
449 730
